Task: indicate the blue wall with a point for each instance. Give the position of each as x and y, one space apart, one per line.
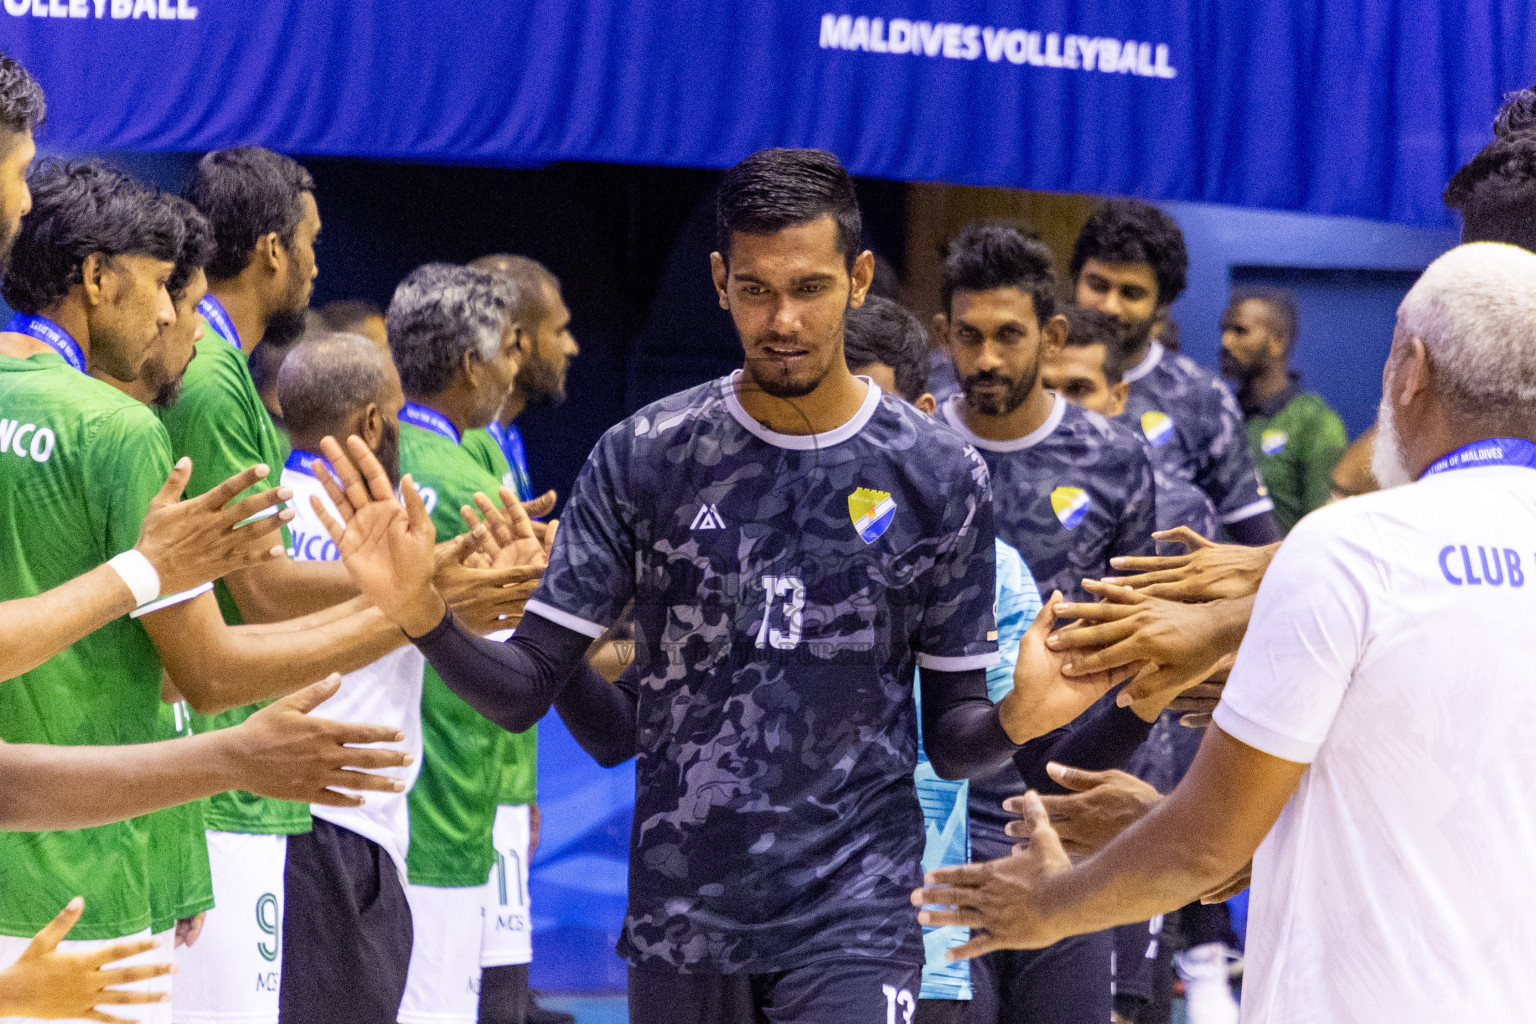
1348 274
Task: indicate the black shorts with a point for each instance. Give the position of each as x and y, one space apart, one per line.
1136 960
346 931
855 990
1068 983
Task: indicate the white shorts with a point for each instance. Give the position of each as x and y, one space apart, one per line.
508 923
11 948
443 983
231 975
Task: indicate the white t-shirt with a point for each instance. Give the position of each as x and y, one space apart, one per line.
1391 648
387 692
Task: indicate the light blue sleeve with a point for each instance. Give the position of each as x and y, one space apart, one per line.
945 823
1018 602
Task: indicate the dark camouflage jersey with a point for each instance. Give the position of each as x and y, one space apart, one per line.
784 588
1181 503
1071 495
1195 431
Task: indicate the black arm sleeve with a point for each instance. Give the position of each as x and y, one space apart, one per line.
511 683
1255 531
1104 737
601 715
962 732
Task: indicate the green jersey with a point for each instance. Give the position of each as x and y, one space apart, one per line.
220 422
79 464
453 804
1296 440
518 753
180 883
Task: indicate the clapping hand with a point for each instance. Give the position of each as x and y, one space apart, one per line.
386 546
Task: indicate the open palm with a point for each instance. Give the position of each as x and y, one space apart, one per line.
386 546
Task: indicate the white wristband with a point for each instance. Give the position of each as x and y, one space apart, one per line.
138 573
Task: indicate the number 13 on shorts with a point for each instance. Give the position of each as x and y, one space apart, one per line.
898 998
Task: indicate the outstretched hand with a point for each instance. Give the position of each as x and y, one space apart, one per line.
46 983
506 535
1208 572
197 540
1004 902
388 548
1099 807
284 752
1045 697
1174 645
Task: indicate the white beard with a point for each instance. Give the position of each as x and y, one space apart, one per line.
1387 462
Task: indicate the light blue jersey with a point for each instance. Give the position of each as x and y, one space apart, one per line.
945 821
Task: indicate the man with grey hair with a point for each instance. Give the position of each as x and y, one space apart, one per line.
1373 751
457 347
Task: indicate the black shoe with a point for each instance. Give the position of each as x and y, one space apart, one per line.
539 1015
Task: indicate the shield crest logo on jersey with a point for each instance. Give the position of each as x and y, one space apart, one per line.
1070 505
1156 427
1272 442
871 513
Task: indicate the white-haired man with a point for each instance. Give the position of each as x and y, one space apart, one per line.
1373 752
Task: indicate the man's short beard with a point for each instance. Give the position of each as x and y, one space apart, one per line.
1388 465
388 453
284 326
539 382
1135 334
1010 400
167 394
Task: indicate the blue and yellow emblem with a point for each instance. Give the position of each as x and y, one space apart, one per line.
871 512
1070 505
1272 442
1156 427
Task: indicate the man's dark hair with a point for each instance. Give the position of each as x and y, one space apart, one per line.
1517 115
22 107
1131 231
80 208
440 312
246 193
346 315
196 246
1279 309
774 189
987 256
1095 327
1495 192
881 331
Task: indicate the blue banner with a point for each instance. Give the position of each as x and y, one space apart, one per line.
1341 108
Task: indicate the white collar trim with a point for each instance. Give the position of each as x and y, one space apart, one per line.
952 416
800 442
1147 365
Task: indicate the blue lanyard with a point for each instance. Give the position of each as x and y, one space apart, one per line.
214 312
510 440
304 462
50 334
1494 451
430 419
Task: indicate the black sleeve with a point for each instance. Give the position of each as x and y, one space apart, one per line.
1255 531
511 683
601 715
1104 737
962 732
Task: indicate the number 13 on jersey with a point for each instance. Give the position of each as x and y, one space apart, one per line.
784 595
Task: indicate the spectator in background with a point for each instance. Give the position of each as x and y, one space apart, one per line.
1295 440
356 316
